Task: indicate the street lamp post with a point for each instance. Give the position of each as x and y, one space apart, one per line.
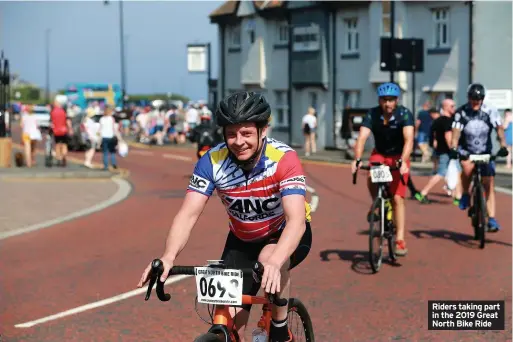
5 80
47 53
121 49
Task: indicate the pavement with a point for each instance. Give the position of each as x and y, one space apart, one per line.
75 280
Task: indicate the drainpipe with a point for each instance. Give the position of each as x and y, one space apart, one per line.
289 91
221 85
334 61
470 41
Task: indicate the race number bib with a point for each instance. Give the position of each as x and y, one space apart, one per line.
218 286
380 174
483 158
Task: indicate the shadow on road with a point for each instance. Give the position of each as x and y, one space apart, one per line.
465 240
359 259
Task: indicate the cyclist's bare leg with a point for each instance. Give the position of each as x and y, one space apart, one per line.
489 186
466 175
241 318
373 190
399 216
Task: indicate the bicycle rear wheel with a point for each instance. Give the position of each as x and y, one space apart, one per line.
480 211
301 329
376 235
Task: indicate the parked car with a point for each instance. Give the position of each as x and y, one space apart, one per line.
42 114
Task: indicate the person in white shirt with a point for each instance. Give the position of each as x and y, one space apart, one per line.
192 117
309 129
30 135
109 132
92 130
143 121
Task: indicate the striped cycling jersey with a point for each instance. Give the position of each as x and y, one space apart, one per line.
253 201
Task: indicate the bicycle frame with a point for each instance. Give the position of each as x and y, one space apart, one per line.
223 322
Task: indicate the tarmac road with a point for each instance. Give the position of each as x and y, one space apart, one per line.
73 265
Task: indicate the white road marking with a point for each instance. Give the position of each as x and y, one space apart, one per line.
504 190
141 152
124 189
176 157
314 203
103 302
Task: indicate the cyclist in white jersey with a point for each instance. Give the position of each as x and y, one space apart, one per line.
471 134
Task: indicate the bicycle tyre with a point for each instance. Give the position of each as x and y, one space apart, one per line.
480 212
391 242
375 231
297 306
208 337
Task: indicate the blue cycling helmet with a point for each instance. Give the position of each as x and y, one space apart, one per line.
389 89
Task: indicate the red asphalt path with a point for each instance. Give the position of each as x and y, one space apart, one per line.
103 254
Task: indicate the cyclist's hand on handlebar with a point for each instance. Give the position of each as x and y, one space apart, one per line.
453 153
354 166
404 168
146 274
503 152
271 279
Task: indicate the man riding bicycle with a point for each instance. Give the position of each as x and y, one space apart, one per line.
393 129
471 134
262 185
206 135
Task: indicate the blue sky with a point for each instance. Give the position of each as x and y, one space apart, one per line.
84 43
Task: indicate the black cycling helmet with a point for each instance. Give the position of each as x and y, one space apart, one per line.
476 91
243 107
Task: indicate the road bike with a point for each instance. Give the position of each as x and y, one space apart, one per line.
477 210
381 227
216 285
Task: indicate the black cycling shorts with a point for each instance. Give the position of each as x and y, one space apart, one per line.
242 254
61 139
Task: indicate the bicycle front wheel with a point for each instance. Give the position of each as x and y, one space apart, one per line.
302 328
376 235
480 212
208 337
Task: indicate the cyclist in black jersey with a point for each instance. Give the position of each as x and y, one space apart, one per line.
392 127
471 134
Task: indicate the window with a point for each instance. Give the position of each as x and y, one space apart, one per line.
441 27
385 18
349 99
282 34
234 37
251 36
351 34
306 38
281 108
437 98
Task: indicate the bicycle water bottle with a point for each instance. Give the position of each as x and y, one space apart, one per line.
259 334
388 209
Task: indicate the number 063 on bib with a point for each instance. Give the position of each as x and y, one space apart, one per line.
218 286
